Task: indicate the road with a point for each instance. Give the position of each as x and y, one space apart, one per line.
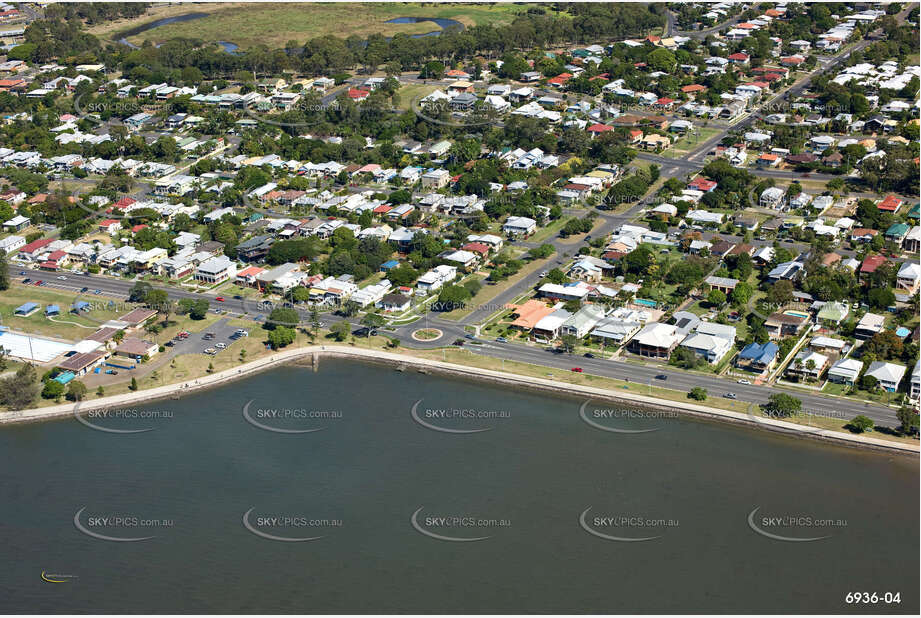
643 373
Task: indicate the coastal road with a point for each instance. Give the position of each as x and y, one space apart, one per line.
643 373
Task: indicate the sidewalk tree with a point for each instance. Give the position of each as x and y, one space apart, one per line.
860 424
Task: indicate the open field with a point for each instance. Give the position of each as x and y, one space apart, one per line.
275 24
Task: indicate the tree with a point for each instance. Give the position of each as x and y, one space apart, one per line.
315 321
100 391
138 292
52 390
780 293
569 342
340 330
860 424
4 273
716 298
698 393
782 405
372 321
19 391
76 390
281 336
452 297
282 316
908 420
134 384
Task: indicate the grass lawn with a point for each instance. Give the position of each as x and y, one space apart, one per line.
413 92
65 326
690 141
275 24
489 292
548 231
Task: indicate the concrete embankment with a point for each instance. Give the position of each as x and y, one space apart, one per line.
315 353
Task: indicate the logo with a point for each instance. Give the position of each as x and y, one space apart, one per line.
618 521
287 522
57 578
286 414
105 412
454 522
454 414
116 522
607 414
791 521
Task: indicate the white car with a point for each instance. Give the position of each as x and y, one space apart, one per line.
62 278
743 381
220 346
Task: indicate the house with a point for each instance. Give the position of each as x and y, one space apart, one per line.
434 279
656 340
216 270
436 179
702 184
807 364
394 303
828 344
915 390
653 141
871 263
616 328
909 277
772 197
869 325
780 325
912 241
17 223
833 313
888 375
519 226
11 243
247 276
724 284
890 203
845 371
135 348
710 341
758 356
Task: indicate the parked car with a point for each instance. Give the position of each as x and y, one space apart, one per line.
97 292
219 299
730 395
83 290
220 346
39 282
501 340
744 381
577 369
27 280
588 355
211 351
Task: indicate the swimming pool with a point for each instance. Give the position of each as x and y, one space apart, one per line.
30 347
797 314
644 302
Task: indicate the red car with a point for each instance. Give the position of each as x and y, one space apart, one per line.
577 369
39 282
219 299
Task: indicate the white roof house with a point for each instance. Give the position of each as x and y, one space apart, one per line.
887 374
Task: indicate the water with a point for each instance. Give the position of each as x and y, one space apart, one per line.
442 23
230 48
537 469
156 24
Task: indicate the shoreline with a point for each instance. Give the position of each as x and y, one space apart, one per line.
317 352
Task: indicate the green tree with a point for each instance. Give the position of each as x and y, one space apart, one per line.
716 298
76 390
52 390
698 393
20 391
4 273
860 424
282 316
341 330
908 420
452 297
134 384
782 405
372 321
281 336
